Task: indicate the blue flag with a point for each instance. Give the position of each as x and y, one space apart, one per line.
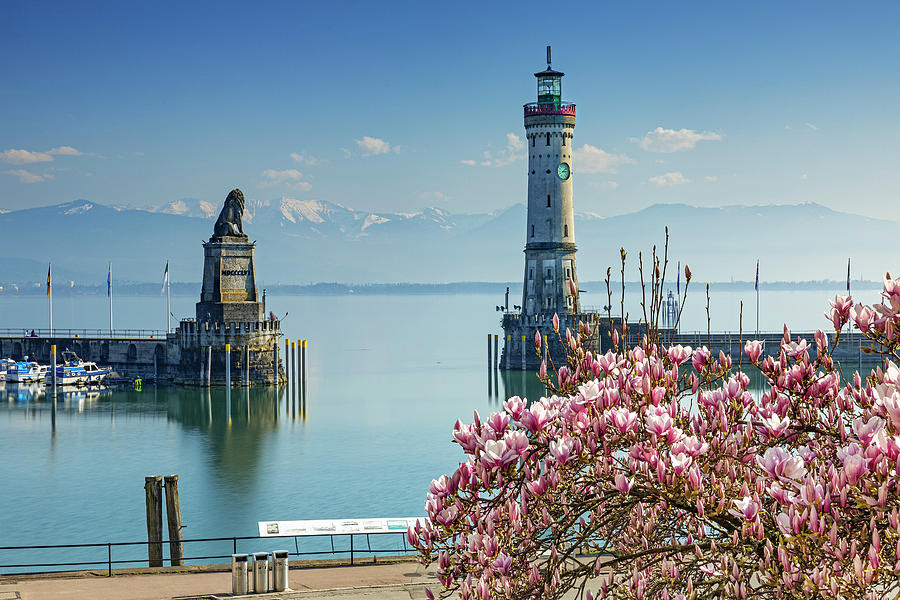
109 281
678 283
756 285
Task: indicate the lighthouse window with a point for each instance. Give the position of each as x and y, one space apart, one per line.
548 273
532 231
530 273
564 140
548 138
548 200
565 231
532 140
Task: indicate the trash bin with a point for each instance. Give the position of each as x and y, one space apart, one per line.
240 577
279 570
260 572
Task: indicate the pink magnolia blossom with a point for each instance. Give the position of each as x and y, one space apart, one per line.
701 486
753 349
746 508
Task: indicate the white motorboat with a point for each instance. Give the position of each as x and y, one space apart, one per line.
26 371
4 365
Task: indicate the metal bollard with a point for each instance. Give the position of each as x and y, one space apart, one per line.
279 570
240 578
260 572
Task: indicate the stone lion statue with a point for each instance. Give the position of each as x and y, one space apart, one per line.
229 221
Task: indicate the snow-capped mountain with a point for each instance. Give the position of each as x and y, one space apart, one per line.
302 241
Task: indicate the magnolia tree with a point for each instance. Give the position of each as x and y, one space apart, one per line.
654 472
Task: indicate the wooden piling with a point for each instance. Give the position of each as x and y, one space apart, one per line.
287 361
496 352
305 368
228 366
523 353
245 366
275 367
173 516
208 366
153 497
506 355
489 352
53 367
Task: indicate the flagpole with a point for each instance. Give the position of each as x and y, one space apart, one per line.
757 298
109 293
50 297
168 301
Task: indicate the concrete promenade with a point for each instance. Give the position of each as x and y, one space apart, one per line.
383 581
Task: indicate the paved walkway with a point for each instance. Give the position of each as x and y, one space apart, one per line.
395 581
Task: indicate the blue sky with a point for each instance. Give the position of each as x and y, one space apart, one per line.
394 106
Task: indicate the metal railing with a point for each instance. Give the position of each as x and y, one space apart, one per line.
549 108
57 332
101 555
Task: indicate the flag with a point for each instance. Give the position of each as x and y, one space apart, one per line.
109 281
48 280
678 283
165 278
756 285
848 275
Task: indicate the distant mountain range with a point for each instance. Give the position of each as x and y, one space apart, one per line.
304 241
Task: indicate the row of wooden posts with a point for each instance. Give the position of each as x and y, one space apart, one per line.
295 364
153 488
496 362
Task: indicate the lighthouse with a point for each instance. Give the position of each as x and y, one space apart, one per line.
550 284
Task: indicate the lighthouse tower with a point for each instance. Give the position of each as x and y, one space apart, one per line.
550 284
550 233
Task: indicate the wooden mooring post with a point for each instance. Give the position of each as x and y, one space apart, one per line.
173 516
153 494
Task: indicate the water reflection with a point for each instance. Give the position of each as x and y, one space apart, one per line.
235 429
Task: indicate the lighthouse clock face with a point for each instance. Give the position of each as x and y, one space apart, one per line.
563 171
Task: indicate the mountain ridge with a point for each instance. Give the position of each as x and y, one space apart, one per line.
301 241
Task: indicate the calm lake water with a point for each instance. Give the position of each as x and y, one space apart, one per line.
388 377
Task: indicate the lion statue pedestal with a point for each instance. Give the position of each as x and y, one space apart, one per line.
229 292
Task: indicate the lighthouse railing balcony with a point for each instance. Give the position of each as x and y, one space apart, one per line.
549 108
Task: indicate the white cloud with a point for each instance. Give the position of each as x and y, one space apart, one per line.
347 153
305 159
28 177
710 178
437 197
811 126
372 146
513 151
65 151
669 179
673 140
610 185
590 159
24 157
291 178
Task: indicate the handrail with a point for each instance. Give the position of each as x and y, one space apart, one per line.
109 562
58 332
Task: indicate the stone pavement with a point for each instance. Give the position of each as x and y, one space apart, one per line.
393 581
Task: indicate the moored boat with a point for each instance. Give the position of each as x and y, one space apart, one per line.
73 370
26 371
4 365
